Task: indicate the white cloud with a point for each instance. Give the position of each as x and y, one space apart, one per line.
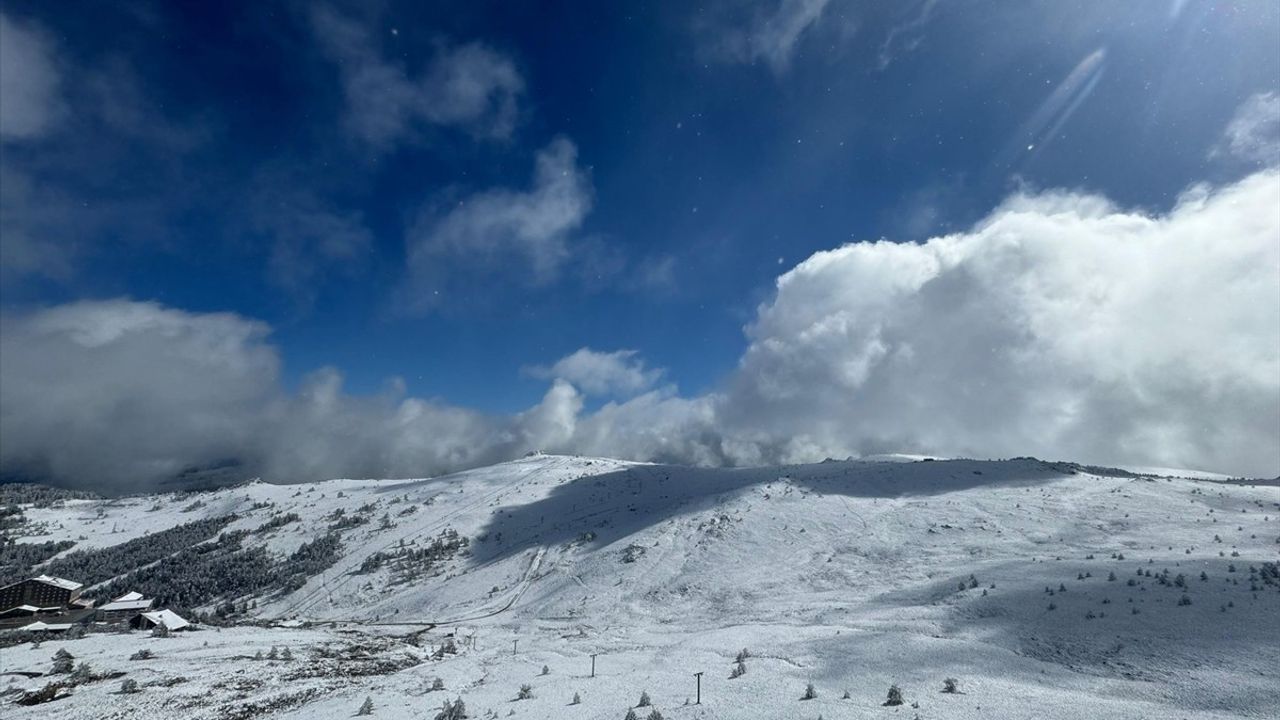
907 35
619 374
766 35
1060 326
494 230
30 102
119 394
470 86
1254 132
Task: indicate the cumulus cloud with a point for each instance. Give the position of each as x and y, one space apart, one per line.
620 374
1254 132
495 229
769 35
1060 326
469 86
30 102
119 394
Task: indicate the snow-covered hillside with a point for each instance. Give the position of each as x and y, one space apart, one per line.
1047 590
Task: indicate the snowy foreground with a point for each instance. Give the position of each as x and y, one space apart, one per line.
846 575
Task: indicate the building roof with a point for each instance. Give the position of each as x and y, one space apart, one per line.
131 595
166 617
28 610
127 605
38 625
58 582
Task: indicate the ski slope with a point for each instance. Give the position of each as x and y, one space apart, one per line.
846 575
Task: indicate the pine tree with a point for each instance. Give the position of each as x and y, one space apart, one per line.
950 685
895 696
62 662
526 692
577 699
367 707
128 686
809 692
644 699
437 684
631 715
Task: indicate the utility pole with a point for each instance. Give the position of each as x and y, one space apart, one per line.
698 675
593 664
513 646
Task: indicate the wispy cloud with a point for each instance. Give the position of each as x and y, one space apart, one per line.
521 233
470 86
307 235
1253 134
907 35
768 34
30 97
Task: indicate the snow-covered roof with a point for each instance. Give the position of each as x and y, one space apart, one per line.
58 582
126 605
166 617
30 609
131 595
38 625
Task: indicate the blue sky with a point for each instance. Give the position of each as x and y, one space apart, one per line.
460 194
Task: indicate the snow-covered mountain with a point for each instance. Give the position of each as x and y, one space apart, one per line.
1047 590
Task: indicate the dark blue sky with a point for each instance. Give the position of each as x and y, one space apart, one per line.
253 158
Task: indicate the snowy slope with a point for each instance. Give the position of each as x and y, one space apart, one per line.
844 574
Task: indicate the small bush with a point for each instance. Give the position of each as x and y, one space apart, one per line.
526 693
456 710
809 692
644 699
950 685
895 696
142 654
437 684
577 699
128 686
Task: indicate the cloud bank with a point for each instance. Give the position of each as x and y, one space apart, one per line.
1060 326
